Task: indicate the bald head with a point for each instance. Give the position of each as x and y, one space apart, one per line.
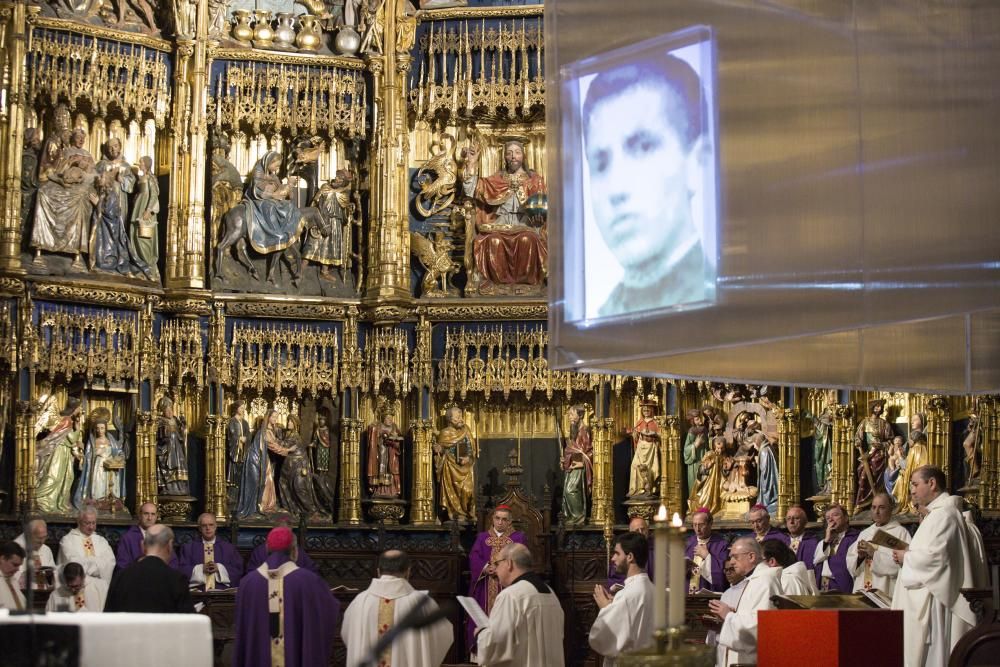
38 531
638 525
86 521
796 520
159 542
394 563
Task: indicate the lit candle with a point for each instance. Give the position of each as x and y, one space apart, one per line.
677 584
660 530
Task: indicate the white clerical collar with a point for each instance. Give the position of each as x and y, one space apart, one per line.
498 533
207 542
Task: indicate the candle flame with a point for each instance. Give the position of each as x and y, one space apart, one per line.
662 514
677 523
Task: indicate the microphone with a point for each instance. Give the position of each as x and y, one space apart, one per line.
414 620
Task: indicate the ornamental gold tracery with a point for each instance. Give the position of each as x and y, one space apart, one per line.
95 345
300 359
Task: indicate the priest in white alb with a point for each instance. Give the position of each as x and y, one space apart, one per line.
77 592
795 578
872 565
526 623
738 635
935 568
977 550
41 554
731 597
625 621
377 610
11 557
84 546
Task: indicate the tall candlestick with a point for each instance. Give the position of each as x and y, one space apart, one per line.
677 584
660 530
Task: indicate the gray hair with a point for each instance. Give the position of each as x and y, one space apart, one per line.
89 510
158 536
519 555
751 545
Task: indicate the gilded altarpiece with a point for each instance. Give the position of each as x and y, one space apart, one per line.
225 228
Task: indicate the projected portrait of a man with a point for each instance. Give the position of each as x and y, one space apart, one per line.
647 151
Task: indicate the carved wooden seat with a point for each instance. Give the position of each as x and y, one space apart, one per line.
979 646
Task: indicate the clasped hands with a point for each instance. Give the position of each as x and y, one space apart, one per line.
601 596
720 608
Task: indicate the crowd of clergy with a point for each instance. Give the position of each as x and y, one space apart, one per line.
284 608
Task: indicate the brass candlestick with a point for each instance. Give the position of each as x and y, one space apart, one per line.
669 649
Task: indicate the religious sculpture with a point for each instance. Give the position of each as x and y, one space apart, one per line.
435 256
972 452
257 493
918 424
237 437
29 177
324 241
895 464
111 247
438 192
695 446
66 194
577 467
509 247
385 444
102 476
371 25
823 441
871 440
145 209
644 471
323 447
55 455
267 218
301 491
456 451
767 466
171 451
916 456
712 470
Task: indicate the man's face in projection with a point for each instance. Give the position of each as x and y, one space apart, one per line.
639 176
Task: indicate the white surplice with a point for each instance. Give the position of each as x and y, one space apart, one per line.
45 559
882 570
100 565
198 571
977 551
11 596
796 579
627 623
731 597
525 630
936 567
738 637
360 630
95 592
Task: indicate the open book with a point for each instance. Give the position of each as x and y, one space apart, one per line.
878 598
474 611
884 539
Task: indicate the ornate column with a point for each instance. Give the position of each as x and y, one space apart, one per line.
671 465
350 471
789 445
989 481
25 475
842 468
389 239
145 468
215 466
602 492
422 503
15 17
186 208
939 434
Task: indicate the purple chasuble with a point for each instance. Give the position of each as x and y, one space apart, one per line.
479 583
193 553
130 549
310 616
842 579
259 553
806 550
719 548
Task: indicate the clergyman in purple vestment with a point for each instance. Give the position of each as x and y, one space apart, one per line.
710 575
286 603
831 553
797 539
129 548
483 583
208 562
635 525
259 555
760 525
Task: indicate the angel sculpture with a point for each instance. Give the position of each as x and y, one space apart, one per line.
437 261
437 194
